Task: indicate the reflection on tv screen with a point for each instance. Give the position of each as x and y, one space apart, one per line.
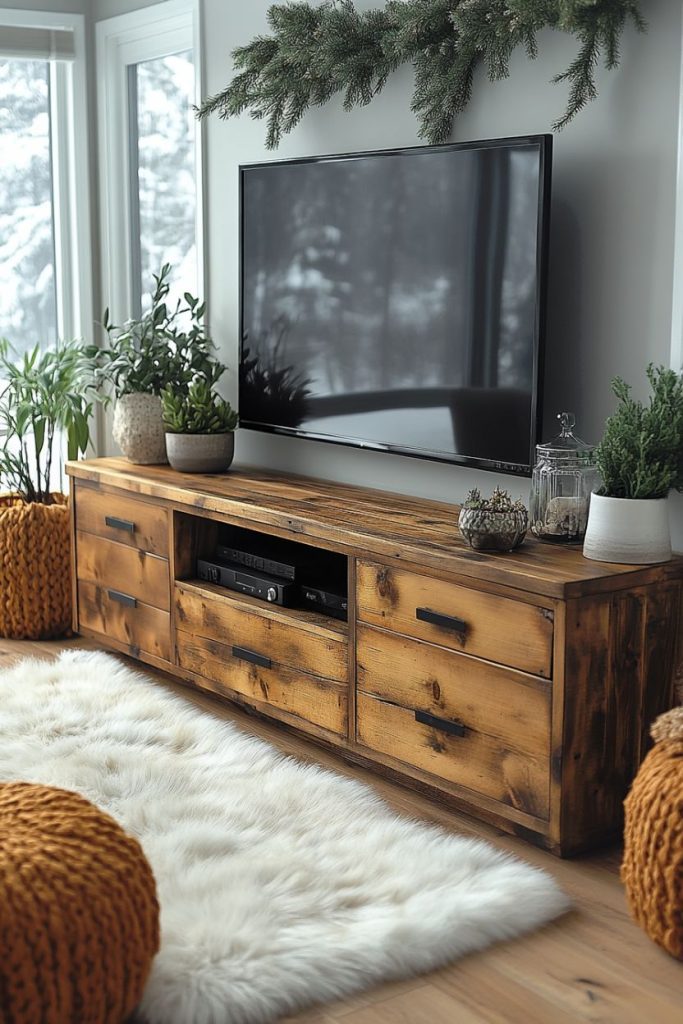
391 299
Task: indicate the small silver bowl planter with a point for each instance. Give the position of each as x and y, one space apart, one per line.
493 531
200 453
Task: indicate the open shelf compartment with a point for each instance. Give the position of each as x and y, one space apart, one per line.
262 570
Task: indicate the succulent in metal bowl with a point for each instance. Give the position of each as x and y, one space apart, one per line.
496 523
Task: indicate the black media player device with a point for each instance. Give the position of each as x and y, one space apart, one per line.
273 556
269 588
328 599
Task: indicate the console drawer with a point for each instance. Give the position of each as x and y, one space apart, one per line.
463 720
307 643
294 662
258 677
126 520
499 629
138 625
118 567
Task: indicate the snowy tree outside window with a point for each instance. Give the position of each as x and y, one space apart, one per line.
162 91
28 313
150 154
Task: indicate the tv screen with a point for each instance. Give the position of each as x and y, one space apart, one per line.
394 300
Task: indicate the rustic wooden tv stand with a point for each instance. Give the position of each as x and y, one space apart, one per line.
520 687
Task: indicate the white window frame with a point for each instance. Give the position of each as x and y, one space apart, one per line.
71 172
148 34
677 302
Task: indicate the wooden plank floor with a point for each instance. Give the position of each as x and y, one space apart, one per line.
592 965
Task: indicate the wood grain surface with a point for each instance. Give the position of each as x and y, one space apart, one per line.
540 672
143 629
495 628
323 702
120 567
475 760
300 641
141 524
620 653
344 517
502 703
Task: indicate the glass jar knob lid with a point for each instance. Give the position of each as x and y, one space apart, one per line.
566 441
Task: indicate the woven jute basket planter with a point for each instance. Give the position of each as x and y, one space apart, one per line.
35 556
652 869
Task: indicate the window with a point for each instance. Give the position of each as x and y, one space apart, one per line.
45 241
163 192
28 305
150 153
45 288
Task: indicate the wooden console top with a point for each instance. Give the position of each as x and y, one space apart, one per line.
388 525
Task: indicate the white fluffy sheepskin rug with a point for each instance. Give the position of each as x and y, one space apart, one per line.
280 884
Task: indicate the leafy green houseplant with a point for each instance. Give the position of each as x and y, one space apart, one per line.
200 411
640 459
199 428
46 401
168 344
496 523
47 397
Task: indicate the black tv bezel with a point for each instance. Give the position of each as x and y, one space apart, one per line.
545 144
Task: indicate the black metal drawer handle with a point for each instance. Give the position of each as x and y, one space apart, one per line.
454 728
120 524
450 622
243 654
116 595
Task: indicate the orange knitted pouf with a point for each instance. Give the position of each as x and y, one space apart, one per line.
652 870
35 568
79 918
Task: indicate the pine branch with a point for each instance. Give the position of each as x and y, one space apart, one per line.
317 52
581 75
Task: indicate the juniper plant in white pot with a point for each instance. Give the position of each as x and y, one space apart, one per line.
146 355
640 459
199 428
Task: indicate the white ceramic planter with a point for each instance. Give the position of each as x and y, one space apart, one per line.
631 531
138 429
200 453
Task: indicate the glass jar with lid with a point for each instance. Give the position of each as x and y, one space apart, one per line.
564 476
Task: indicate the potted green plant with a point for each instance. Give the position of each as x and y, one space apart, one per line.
496 523
144 356
199 428
640 459
46 401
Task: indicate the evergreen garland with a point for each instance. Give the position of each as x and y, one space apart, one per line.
315 52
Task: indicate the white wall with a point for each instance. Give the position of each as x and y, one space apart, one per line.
614 177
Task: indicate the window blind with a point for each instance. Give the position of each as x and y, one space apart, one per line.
36 43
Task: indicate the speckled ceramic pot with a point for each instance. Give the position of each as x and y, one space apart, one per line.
138 429
493 531
200 453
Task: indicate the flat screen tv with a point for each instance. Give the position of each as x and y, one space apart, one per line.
395 300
